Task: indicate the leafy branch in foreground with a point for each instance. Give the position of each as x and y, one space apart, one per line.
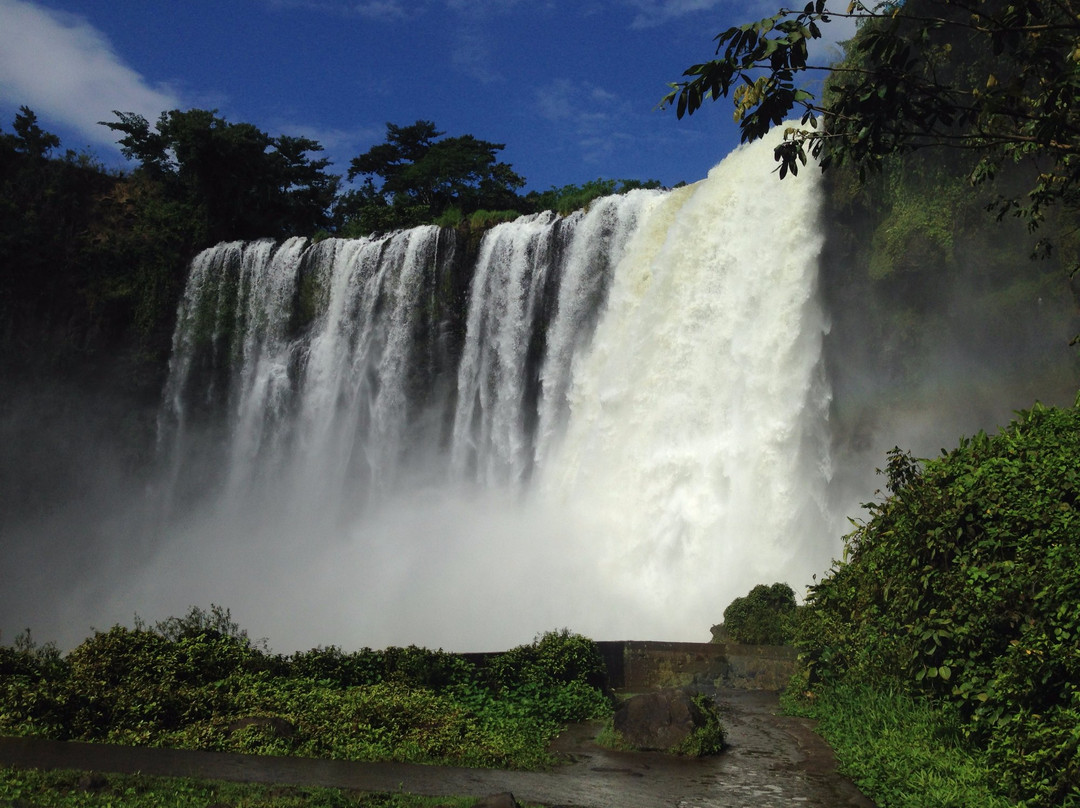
998 80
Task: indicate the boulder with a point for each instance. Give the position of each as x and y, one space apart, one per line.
658 721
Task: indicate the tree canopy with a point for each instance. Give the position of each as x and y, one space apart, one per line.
423 174
247 183
29 138
999 80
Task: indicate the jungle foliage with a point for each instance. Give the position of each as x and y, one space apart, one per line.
961 589
91 262
199 682
761 617
239 182
422 174
996 80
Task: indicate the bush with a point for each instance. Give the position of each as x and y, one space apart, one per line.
964 586
197 682
902 751
707 739
763 617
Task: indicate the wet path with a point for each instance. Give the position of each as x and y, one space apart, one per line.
772 761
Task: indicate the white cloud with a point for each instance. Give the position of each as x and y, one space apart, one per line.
473 37
657 12
591 115
377 10
382 10
588 105
66 70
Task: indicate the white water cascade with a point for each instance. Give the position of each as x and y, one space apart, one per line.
613 421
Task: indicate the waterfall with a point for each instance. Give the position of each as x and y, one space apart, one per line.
613 420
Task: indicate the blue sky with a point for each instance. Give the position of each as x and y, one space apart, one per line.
570 86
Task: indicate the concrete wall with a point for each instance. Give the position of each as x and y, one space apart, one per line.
640 665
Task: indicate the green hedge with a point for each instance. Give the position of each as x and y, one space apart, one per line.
963 587
201 683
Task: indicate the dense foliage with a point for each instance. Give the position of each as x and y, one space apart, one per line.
199 683
423 174
238 182
962 588
902 751
761 617
91 262
986 77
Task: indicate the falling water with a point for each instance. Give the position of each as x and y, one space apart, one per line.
613 421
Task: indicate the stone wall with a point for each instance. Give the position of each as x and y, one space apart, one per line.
640 665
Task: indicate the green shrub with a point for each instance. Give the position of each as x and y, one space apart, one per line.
902 751
482 219
964 586
198 682
707 739
762 617
331 664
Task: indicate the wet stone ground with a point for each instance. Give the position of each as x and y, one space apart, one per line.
772 761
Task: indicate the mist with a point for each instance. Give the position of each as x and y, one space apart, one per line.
643 411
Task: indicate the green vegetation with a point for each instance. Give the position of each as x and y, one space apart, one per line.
569 198
997 80
69 789
959 595
237 181
91 265
707 739
199 683
762 617
902 751
422 176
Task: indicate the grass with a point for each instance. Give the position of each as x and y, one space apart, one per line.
901 752
30 788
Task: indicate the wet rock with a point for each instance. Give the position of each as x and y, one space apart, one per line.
503 800
658 721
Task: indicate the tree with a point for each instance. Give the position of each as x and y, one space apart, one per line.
90 266
247 183
995 79
422 176
29 138
762 617
568 198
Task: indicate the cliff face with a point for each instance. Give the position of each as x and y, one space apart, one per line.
943 322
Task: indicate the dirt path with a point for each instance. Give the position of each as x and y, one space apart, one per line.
772 761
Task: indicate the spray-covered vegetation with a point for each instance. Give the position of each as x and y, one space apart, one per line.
958 596
199 682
